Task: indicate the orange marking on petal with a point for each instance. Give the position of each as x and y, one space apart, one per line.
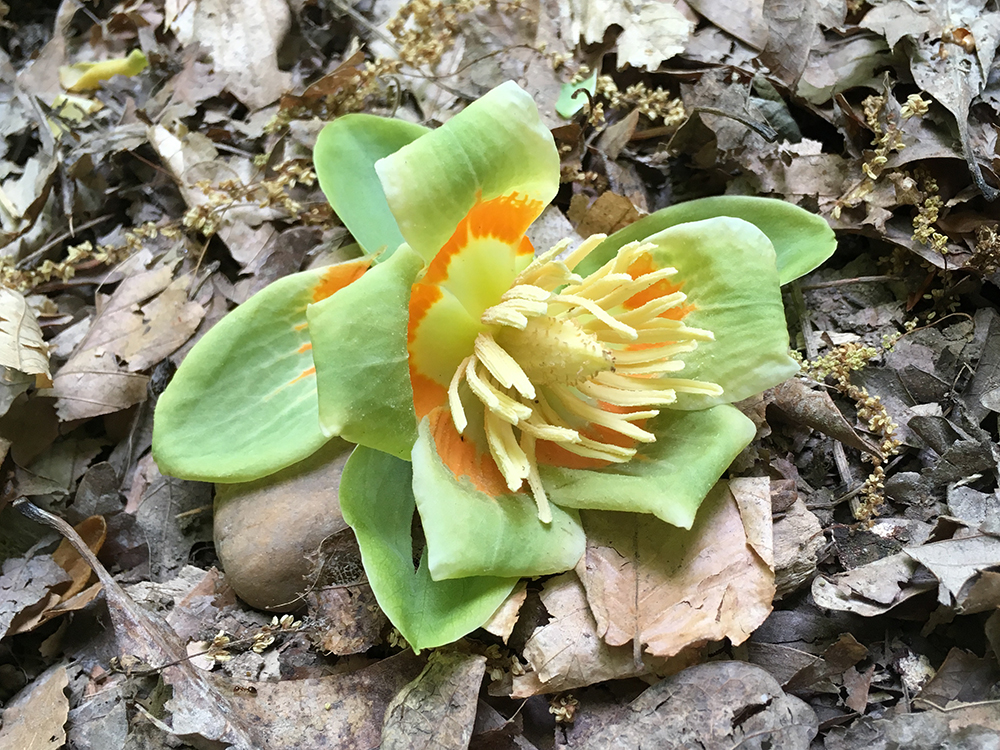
304 348
640 267
300 326
463 457
305 374
427 395
525 248
337 277
422 297
504 218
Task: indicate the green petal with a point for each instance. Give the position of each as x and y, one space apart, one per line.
359 344
668 478
496 146
471 533
801 240
243 403
345 156
727 269
377 501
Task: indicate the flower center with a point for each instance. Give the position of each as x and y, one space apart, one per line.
555 351
571 361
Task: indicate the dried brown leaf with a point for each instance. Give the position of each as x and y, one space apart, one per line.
815 408
871 589
243 40
345 711
27 586
713 581
568 651
198 709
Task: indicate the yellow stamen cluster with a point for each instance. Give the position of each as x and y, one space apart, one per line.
558 355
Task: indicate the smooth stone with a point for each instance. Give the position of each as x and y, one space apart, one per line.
273 535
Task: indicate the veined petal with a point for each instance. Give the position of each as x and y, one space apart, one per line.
496 147
728 273
801 240
456 508
345 156
359 346
243 403
376 498
668 478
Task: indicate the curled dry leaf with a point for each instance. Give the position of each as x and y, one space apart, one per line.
871 589
198 710
21 344
93 531
955 562
713 581
815 409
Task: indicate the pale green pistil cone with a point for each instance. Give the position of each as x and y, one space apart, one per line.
554 351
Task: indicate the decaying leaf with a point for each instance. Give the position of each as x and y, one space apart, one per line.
345 711
34 719
725 704
505 618
92 382
21 344
652 31
198 709
28 586
243 40
712 582
955 562
438 709
78 594
871 589
815 408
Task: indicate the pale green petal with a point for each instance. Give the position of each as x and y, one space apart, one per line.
377 501
345 156
668 478
243 403
801 240
727 270
471 533
359 345
496 146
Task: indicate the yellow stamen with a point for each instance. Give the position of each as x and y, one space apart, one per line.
563 359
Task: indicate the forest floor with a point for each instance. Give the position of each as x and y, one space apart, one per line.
135 213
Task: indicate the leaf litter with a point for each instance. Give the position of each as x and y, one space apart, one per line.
840 588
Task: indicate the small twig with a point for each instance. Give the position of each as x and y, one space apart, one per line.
30 259
848 282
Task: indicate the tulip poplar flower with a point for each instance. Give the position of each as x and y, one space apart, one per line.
495 390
